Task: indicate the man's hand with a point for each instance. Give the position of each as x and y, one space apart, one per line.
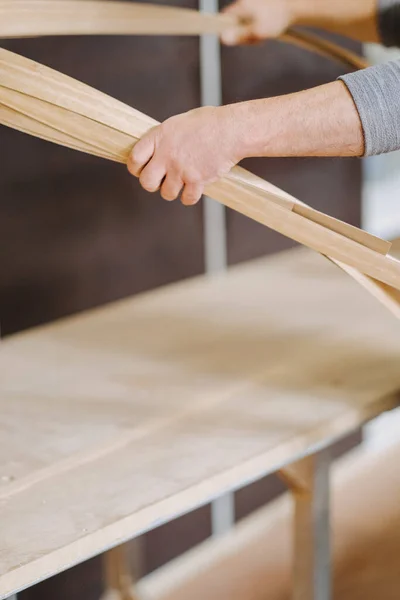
259 20
262 19
187 152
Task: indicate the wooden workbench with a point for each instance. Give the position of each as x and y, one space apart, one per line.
118 420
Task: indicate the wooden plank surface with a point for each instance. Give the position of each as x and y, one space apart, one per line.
115 421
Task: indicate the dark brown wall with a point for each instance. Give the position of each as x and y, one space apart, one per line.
77 232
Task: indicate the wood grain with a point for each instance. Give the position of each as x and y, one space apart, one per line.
76 111
114 422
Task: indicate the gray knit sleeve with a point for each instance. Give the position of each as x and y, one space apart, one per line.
376 94
389 22
376 91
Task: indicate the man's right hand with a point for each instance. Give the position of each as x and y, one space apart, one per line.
259 20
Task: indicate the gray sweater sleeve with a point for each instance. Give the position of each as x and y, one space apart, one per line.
376 91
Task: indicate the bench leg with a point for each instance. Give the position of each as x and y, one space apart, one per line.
119 581
308 480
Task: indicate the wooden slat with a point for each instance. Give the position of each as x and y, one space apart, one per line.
310 41
28 18
285 200
115 421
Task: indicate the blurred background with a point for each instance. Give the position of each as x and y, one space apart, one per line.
77 232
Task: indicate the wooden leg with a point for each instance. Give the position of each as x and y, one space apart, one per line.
119 581
308 480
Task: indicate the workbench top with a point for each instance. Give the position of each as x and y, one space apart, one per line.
117 420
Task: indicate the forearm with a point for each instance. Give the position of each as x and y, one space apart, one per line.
354 18
319 122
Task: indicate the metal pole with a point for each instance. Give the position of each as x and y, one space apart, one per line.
211 95
215 238
308 480
223 514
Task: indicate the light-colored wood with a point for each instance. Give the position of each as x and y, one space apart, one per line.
253 562
85 118
28 18
285 200
21 18
118 579
300 480
116 421
314 43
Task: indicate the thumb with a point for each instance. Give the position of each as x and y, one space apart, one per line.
141 153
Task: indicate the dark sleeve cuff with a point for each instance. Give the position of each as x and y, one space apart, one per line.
389 22
376 94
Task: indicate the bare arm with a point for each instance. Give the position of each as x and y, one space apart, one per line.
191 150
322 121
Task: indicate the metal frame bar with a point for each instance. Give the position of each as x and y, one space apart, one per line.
223 514
308 480
215 235
215 243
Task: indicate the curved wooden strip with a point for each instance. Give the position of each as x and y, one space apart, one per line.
23 18
27 18
86 119
314 43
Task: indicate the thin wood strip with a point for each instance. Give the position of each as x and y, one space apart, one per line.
20 18
314 43
24 124
386 295
58 91
68 125
286 200
30 18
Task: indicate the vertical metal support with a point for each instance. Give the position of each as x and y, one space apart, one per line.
215 238
223 514
215 243
308 481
